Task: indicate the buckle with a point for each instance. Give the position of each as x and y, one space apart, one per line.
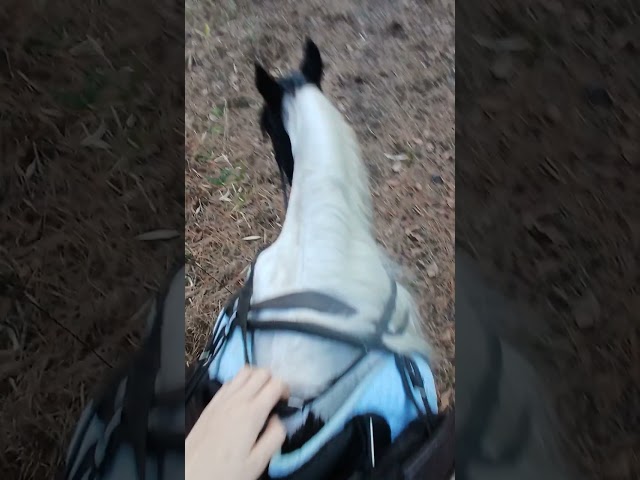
418 383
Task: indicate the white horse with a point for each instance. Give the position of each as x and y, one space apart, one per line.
327 242
322 307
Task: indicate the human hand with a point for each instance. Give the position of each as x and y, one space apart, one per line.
224 443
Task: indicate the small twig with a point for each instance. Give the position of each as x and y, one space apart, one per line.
29 82
226 126
33 302
6 54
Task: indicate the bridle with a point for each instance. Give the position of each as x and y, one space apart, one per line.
323 303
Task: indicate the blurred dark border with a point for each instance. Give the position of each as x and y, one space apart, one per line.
91 201
547 230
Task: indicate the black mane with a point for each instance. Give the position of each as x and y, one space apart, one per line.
273 91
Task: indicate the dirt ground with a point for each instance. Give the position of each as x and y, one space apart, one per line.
83 173
389 67
545 109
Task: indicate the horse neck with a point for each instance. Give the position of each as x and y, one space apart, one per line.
328 169
327 233
326 245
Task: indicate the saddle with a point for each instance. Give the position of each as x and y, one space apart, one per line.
407 439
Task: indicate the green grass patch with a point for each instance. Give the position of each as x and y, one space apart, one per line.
217 112
228 176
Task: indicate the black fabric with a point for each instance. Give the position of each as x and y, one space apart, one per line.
415 452
345 453
312 425
410 443
437 457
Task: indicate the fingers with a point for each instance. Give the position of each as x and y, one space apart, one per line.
256 386
267 445
240 379
258 378
267 398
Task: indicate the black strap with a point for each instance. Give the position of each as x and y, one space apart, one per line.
369 342
320 302
242 311
284 409
366 342
409 371
387 314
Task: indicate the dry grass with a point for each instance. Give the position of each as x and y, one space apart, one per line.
389 68
89 148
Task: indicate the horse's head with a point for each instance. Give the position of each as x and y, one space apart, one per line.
274 91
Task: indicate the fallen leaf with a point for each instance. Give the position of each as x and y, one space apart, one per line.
630 150
509 44
447 335
587 310
445 399
502 68
397 167
95 139
31 168
552 112
158 235
416 237
581 20
400 157
432 270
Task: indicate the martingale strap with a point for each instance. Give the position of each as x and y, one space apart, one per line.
239 318
320 302
427 440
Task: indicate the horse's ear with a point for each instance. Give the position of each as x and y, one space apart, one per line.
270 90
311 66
